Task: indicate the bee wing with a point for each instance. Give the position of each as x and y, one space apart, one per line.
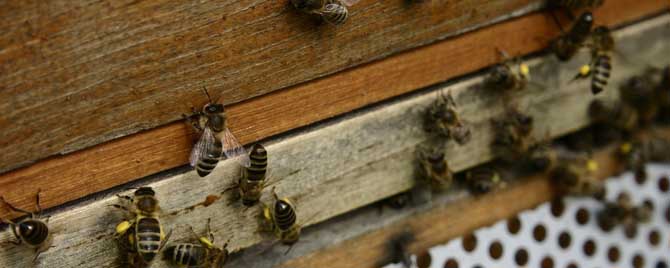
233 149
204 143
349 2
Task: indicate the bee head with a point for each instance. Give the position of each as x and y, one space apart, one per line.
213 108
586 17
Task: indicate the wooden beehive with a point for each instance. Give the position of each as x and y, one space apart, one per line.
93 93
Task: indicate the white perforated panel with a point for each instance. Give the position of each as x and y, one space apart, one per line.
548 238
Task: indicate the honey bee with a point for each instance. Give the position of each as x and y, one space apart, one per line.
618 115
253 178
601 62
638 153
567 45
397 250
434 169
481 180
332 11
443 120
541 157
577 4
32 231
216 139
623 212
644 93
577 177
512 135
505 76
281 219
143 236
202 255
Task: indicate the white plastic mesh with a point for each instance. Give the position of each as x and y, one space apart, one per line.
588 245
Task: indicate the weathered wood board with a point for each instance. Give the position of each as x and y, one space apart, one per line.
69 177
343 165
111 69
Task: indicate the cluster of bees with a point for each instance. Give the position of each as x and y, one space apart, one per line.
645 99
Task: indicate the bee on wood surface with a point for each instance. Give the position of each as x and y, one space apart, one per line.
578 4
32 231
512 135
623 212
508 75
142 236
600 67
332 11
397 251
645 93
281 219
481 180
567 45
662 92
253 178
216 139
638 153
202 255
434 169
577 177
541 157
443 120
617 115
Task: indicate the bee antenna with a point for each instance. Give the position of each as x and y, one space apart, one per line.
207 93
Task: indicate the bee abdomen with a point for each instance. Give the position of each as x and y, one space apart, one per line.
259 164
335 13
208 162
148 235
285 216
186 254
33 232
601 73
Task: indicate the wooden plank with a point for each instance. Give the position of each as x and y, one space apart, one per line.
343 165
115 69
66 178
456 219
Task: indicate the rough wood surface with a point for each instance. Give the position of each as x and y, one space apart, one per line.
69 177
455 218
75 74
343 165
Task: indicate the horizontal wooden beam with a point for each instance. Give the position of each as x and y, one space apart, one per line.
72 176
443 222
346 164
75 74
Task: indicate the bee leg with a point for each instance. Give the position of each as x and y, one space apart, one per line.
125 197
208 229
10 206
37 204
194 123
120 207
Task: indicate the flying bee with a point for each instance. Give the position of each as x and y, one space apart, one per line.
512 135
567 45
623 212
32 231
143 236
216 139
253 178
577 4
443 120
202 255
481 180
506 76
577 177
434 169
332 11
281 219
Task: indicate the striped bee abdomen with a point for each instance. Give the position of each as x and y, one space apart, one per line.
601 73
335 13
33 232
284 215
208 162
259 164
148 237
186 254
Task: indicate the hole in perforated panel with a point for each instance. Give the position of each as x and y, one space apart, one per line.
582 216
513 225
469 242
451 263
613 254
589 247
572 265
547 262
664 184
661 264
654 237
638 261
557 207
496 250
564 240
539 233
423 260
521 257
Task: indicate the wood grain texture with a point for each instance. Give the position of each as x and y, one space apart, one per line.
443 222
343 165
75 74
69 177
